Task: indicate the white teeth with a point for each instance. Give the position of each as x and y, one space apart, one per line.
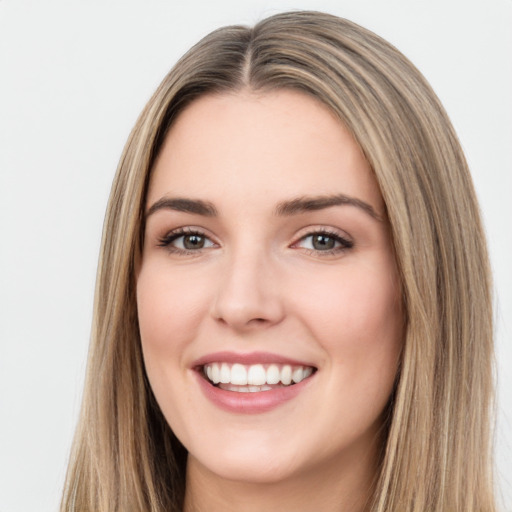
286 375
225 373
273 374
256 377
297 374
238 375
215 374
245 389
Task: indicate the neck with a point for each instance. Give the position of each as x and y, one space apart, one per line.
334 487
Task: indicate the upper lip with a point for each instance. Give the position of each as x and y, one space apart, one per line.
248 359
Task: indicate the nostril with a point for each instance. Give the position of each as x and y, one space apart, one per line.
257 322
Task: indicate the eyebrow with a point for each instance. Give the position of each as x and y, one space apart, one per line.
183 205
306 204
285 208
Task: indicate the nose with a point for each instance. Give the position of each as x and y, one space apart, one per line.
249 295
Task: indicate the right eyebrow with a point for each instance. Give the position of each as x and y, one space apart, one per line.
305 204
179 204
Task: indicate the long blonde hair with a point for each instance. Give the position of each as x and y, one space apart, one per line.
436 455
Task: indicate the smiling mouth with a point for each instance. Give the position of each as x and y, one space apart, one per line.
254 378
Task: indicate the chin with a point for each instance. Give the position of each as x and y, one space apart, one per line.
254 468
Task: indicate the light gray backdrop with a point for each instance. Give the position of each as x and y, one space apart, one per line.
74 76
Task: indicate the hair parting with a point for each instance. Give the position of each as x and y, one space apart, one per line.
437 438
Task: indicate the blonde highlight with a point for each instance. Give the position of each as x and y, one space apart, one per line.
436 454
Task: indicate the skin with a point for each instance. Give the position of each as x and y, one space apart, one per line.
260 285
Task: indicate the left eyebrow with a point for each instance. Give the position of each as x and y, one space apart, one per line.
181 204
304 204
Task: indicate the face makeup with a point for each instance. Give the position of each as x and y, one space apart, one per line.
251 383
267 293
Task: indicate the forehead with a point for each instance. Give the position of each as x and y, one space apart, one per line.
272 145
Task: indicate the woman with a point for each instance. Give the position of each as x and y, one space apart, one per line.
293 304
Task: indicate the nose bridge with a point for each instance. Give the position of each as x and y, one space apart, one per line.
248 293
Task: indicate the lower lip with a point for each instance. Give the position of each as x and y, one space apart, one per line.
250 402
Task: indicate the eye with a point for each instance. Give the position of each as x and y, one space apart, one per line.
324 242
186 241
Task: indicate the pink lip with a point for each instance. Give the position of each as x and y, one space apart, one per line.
250 358
248 403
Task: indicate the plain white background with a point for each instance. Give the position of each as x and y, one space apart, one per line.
74 76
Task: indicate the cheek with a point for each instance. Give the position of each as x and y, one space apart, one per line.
169 309
357 318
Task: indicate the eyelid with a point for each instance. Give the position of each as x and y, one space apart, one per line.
343 239
169 237
343 242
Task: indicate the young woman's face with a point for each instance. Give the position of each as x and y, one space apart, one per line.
268 297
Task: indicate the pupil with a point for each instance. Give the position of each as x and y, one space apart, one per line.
193 242
322 242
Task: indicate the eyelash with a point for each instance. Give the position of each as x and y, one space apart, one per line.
167 242
344 243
